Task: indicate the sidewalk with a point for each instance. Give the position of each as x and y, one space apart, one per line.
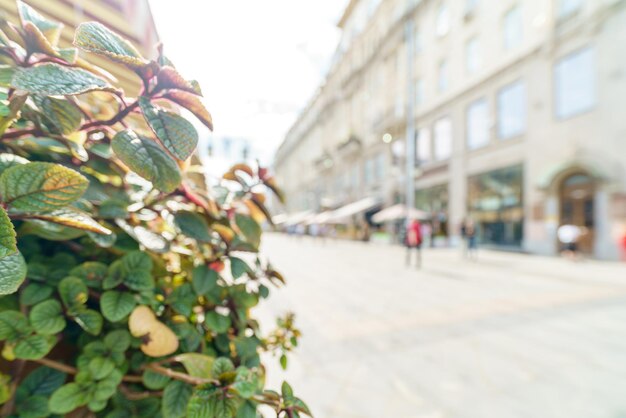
511 335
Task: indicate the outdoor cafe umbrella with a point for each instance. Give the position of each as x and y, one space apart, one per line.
399 212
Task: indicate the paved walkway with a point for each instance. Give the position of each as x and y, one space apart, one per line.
510 335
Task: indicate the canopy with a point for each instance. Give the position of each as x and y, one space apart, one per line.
397 212
320 218
279 219
298 218
344 213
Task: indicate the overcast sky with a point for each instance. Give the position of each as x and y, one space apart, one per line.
258 61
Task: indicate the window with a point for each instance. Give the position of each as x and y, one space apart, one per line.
419 92
513 27
496 203
443 139
568 7
442 76
512 110
442 23
472 55
478 124
423 147
574 79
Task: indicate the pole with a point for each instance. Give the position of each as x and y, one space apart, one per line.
410 116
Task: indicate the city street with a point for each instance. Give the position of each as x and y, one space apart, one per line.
509 335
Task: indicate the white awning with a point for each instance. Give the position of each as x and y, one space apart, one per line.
298 218
344 213
398 212
320 218
279 219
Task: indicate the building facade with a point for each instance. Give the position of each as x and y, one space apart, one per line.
130 18
516 107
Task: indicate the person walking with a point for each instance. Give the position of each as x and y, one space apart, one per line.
413 242
470 239
569 235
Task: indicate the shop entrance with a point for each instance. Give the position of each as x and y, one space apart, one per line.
577 207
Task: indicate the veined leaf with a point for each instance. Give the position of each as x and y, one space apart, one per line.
64 115
193 225
97 38
192 103
147 159
12 324
176 133
169 78
33 347
250 229
89 320
68 397
41 381
47 317
196 364
12 273
74 292
56 80
41 186
8 244
175 398
116 306
72 217
15 106
51 30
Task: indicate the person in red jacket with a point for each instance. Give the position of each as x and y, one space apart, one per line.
624 247
413 241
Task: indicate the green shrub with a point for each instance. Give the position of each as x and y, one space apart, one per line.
127 285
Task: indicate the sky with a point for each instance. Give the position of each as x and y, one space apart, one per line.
258 62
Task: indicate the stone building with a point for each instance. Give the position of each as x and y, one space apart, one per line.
518 108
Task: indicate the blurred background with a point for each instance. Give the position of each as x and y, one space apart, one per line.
454 231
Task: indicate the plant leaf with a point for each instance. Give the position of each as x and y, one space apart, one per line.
175 398
12 325
197 365
147 159
250 229
169 78
176 133
97 38
192 103
33 347
116 306
41 186
64 116
47 317
67 398
72 217
41 381
12 273
203 280
8 243
89 320
50 29
56 80
74 292
193 225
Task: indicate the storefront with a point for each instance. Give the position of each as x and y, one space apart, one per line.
495 203
434 201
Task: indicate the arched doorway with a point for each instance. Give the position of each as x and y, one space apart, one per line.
576 196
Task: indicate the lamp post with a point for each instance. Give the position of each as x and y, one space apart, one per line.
409 36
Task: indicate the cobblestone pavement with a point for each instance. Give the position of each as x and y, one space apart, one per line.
509 335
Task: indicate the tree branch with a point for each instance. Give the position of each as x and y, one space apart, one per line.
179 376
